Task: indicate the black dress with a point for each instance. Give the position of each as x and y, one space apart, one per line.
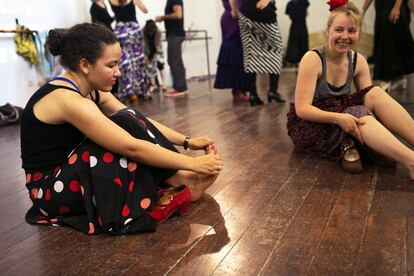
393 43
100 15
298 42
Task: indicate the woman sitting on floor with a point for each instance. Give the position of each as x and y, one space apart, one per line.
91 162
326 118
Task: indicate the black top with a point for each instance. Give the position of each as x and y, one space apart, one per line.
100 15
174 27
45 146
125 13
267 15
296 9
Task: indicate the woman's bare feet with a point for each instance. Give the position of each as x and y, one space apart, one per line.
196 182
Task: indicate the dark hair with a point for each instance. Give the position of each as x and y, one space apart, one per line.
86 40
150 30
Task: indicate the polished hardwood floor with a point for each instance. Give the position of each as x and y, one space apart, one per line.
272 211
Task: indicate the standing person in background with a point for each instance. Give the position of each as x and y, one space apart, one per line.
174 26
298 42
153 53
132 82
393 55
262 46
99 13
230 73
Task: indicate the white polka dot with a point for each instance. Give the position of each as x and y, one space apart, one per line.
123 162
40 193
71 153
127 221
93 161
43 212
110 229
94 200
150 134
47 176
132 111
57 174
58 187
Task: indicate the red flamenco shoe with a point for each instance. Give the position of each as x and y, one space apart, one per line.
179 199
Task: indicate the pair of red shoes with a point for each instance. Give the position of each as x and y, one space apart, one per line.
172 200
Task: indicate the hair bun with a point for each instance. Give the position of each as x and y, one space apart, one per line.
55 42
333 4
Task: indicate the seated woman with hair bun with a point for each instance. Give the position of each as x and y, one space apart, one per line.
94 164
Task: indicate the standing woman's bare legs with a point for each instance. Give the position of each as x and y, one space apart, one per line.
380 139
390 113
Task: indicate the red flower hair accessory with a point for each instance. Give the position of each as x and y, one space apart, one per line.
333 4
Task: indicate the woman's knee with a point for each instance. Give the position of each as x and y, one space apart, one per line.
373 96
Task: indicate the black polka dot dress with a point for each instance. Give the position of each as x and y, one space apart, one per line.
98 191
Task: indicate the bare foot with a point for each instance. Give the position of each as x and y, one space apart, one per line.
196 182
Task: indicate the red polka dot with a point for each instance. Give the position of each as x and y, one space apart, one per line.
28 178
132 166
73 158
131 186
108 157
64 210
57 169
142 122
74 186
33 193
91 228
85 156
100 221
48 195
118 181
125 211
145 203
37 176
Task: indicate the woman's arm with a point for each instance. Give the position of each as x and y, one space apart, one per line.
141 6
395 12
366 6
309 70
234 5
177 14
86 116
176 138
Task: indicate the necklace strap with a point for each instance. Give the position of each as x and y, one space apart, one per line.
68 81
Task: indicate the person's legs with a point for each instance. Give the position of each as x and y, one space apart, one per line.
175 62
390 113
273 94
380 139
254 98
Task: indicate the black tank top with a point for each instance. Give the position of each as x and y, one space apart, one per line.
125 13
45 146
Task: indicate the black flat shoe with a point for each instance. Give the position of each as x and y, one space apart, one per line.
255 100
275 96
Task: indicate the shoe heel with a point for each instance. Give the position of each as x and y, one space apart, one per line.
269 99
185 209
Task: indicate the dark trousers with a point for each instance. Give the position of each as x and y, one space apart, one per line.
273 83
175 61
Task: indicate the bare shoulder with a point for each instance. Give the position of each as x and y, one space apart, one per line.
311 62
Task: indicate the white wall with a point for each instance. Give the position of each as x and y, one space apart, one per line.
19 80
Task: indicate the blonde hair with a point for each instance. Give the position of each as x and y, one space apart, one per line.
350 10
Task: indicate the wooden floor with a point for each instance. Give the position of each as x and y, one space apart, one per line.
272 211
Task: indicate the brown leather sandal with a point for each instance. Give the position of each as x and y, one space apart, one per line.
350 160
